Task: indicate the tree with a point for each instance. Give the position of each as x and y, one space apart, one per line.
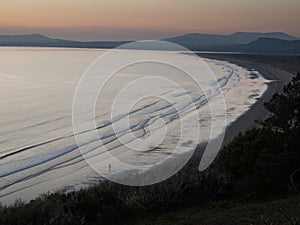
285 108
269 154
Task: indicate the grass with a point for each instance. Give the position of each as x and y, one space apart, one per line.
280 211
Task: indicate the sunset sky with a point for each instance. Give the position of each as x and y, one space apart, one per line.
146 19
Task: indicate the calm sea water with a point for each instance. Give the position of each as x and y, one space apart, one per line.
38 152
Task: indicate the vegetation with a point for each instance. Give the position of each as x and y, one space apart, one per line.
274 212
265 160
254 180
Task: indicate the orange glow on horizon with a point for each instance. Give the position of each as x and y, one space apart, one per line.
156 15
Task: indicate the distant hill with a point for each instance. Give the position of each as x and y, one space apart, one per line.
37 40
213 41
271 45
275 42
31 38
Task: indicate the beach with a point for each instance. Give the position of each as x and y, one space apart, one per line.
39 114
257 112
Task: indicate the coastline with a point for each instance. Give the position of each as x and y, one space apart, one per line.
257 112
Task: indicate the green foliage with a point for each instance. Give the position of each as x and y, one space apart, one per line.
285 211
285 108
262 160
240 155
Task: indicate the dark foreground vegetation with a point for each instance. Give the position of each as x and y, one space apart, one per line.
254 180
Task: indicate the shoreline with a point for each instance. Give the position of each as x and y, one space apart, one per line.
257 112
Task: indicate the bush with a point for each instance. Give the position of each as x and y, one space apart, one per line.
267 156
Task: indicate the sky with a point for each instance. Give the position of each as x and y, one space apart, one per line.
146 19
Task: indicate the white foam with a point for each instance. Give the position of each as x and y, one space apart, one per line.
35 115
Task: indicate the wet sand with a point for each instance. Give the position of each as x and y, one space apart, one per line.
257 112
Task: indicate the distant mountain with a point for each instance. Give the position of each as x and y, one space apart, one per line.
276 42
31 38
37 40
270 45
208 41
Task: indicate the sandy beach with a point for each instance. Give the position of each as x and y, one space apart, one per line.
278 78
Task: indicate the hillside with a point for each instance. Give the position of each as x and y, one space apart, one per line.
37 40
275 42
271 45
213 41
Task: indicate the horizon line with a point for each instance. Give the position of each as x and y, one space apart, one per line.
166 37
